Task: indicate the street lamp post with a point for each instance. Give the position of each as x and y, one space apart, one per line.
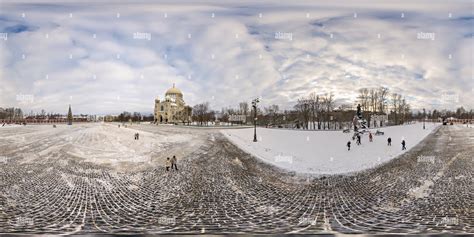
424 117
254 105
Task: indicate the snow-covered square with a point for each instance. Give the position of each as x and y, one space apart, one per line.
326 152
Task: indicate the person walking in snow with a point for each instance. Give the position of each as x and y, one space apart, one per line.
168 164
349 145
358 139
403 145
389 141
370 137
173 163
138 136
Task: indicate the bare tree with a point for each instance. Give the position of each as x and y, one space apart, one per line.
315 109
383 94
11 113
397 107
394 102
373 99
403 108
272 111
200 112
363 98
303 108
244 108
328 102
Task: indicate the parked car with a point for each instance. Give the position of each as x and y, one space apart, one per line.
346 130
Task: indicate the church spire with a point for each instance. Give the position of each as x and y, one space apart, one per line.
69 116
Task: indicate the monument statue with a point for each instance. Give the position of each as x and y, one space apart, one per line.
359 113
358 121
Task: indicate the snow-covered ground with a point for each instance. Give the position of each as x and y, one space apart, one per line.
325 152
108 144
9 125
101 143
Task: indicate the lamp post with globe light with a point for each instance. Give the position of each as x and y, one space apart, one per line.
254 105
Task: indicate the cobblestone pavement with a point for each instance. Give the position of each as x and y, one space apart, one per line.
220 189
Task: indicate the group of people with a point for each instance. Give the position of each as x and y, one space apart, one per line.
358 142
171 163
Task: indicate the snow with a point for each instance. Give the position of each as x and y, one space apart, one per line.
110 144
325 152
100 143
9 125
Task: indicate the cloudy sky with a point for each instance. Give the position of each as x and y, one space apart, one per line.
105 57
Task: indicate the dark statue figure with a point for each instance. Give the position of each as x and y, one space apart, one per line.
358 120
359 112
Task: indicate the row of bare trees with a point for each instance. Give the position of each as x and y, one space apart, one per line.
315 109
203 114
126 116
373 99
380 101
11 113
318 111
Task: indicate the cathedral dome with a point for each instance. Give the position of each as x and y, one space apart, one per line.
173 90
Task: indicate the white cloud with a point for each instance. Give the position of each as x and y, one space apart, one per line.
232 56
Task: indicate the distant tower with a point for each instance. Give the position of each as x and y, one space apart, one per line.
69 116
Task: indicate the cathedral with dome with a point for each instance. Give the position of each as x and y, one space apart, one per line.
172 109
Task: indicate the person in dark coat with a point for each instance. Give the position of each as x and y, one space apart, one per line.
358 140
370 137
389 141
403 145
173 163
349 145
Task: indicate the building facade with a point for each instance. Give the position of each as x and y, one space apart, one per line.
172 109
